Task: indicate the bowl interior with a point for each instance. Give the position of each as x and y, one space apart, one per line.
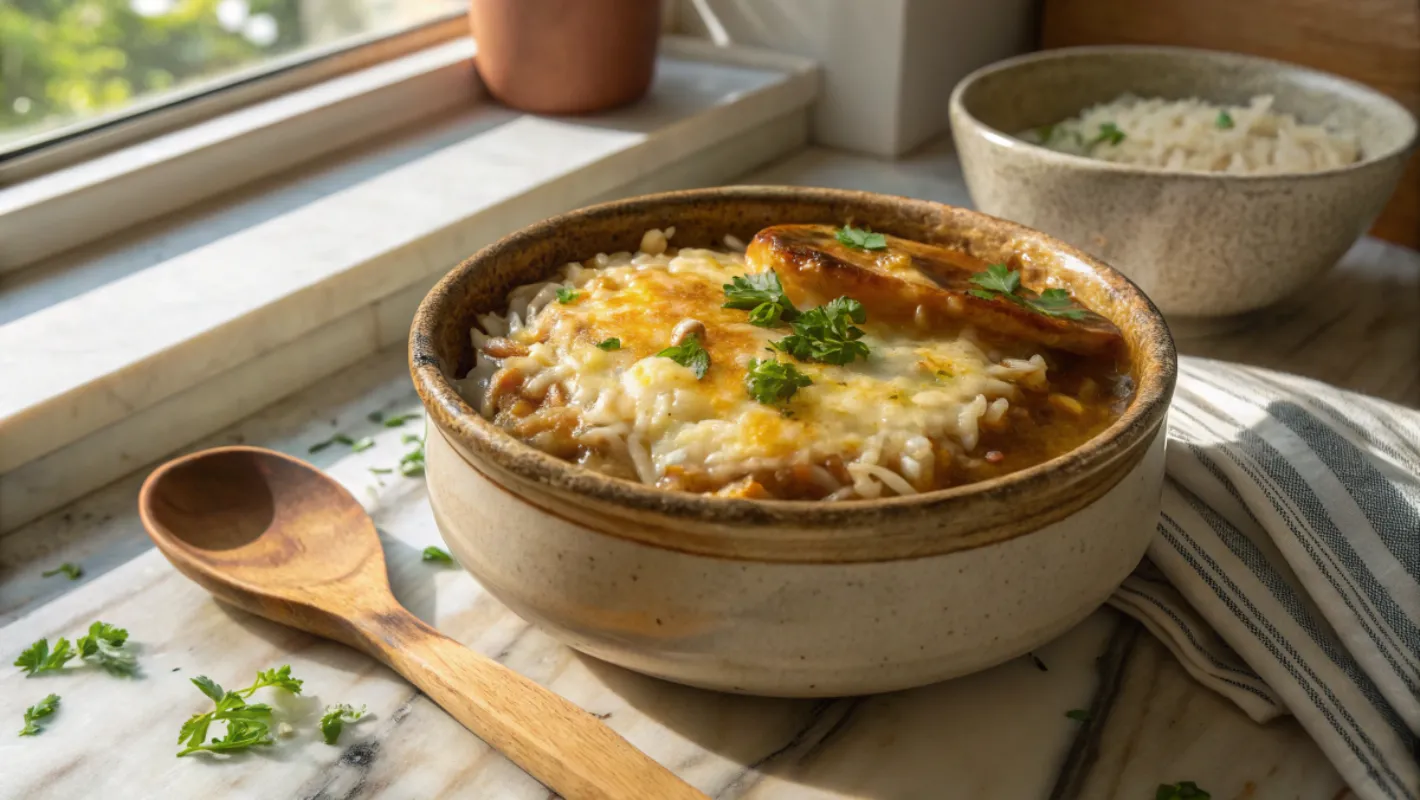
441 350
1044 88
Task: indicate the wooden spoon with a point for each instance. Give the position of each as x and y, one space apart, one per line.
273 535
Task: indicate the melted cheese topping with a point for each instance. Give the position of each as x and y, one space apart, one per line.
893 424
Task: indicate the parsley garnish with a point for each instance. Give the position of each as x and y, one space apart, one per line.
825 333
334 719
689 354
399 419
567 295
762 296
361 445
861 238
998 281
376 416
1183 790
609 344
1045 133
1224 121
411 464
338 438
1109 132
71 571
39 658
247 723
996 278
771 382
381 470
1078 714
103 644
432 553
37 712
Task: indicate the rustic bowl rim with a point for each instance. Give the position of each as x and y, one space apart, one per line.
1409 127
741 517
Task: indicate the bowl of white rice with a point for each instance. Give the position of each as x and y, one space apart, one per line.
1219 183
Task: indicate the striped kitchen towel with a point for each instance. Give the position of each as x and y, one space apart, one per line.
1286 570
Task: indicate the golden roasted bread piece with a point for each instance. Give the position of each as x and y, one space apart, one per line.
914 282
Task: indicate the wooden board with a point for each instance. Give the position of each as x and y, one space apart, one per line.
1376 42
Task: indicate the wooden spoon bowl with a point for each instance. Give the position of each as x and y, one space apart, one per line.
273 535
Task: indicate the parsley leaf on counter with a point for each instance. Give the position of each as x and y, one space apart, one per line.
248 724
566 294
861 238
103 644
334 719
1183 790
39 658
609 344
411 464
770 381
376 416
999 281
398 420
1224 121
1078 714
362 445
689 354
432 553
338 438
762 296
37 712
72 571
825 333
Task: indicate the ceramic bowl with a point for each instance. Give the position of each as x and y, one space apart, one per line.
780 597
1199 244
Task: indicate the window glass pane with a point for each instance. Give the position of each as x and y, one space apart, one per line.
70 61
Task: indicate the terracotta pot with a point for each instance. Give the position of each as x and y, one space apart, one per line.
566 56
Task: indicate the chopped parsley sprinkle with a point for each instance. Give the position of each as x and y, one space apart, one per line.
1224 121
334 719
567 295
771 381
438 554
1109 132
762 296
609 344
689 354
860 238
248 724
999 281
826 333
37 712
71 571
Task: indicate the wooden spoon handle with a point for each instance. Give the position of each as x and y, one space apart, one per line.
552 739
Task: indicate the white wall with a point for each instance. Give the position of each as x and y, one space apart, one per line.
889 65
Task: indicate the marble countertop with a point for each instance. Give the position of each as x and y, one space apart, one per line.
1000 733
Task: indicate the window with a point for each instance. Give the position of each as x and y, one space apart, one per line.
68 67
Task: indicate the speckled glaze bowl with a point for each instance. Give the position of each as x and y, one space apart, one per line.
1199 244
779 597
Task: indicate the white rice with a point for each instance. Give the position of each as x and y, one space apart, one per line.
1196 136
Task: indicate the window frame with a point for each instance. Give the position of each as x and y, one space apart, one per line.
71 144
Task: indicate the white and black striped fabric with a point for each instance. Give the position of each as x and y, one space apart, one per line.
1286 570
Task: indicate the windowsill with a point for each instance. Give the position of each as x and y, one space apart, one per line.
122 354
